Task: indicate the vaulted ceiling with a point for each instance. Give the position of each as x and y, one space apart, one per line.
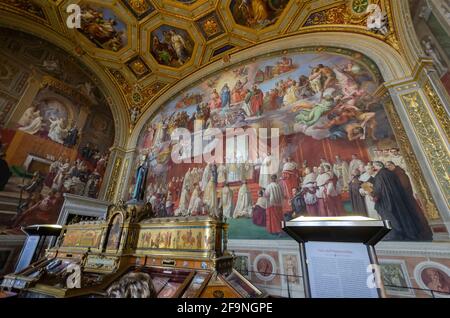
146 46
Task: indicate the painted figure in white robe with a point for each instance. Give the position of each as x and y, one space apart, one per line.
340 169
264 174
31 121
397 158
244 205
28 116
194 196
198 175
367 179
56 132
222 173
187 181
184 200
210 197
227 201
60 176
291 95
206 176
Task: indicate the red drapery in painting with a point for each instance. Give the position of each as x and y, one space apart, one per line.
298 146
312 150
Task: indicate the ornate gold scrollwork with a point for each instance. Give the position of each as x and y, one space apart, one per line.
430 139
438 109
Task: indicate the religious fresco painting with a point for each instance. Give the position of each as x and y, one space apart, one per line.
171 46
338 154
55 136
257 14
102 27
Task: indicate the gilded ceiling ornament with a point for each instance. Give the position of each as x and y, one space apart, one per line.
120 79
359 6
335 15
139 8
377 20
138 67
210 26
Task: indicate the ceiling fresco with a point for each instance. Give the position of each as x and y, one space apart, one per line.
146 46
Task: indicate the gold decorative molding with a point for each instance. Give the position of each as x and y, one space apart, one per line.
113 180
438 109
411 161
431 140
60 86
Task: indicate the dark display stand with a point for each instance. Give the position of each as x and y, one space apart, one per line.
36 240
344 246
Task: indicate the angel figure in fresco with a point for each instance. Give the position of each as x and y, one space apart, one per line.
315 80
244 205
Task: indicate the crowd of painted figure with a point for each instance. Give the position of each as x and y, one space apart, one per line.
380 189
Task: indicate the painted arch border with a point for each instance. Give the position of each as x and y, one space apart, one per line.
394 68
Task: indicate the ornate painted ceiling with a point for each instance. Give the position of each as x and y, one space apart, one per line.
146 46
